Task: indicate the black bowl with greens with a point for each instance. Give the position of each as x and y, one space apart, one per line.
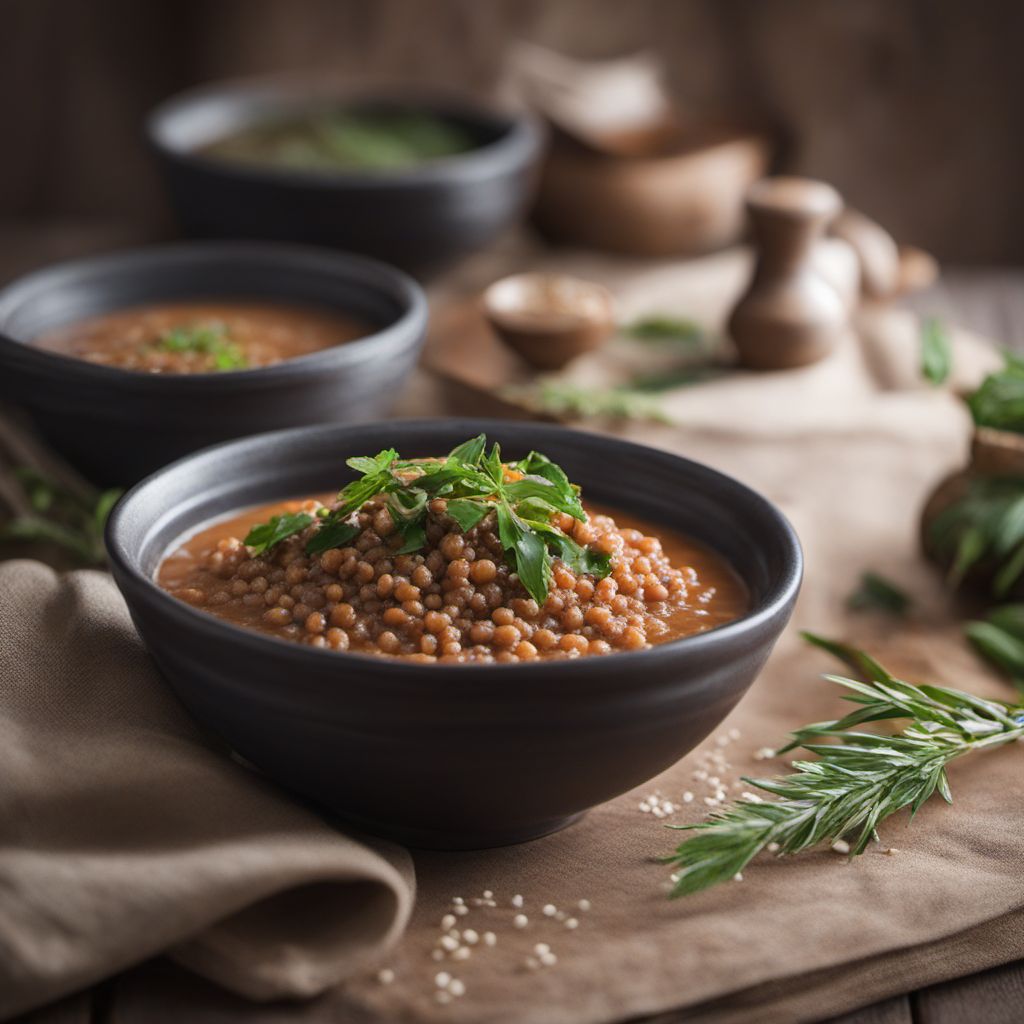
115 426
454 755
418 182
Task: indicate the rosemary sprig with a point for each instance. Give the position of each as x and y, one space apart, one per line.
559 398
661 327
60 516
523 496
856 781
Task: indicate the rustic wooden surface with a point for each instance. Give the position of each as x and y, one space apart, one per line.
990 302
911 109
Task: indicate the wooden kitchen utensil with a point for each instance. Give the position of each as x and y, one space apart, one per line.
790 314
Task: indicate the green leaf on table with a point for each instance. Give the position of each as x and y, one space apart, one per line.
665 328
936 352
876 593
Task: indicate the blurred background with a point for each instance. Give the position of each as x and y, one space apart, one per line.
909 107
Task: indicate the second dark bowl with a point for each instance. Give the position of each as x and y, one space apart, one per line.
115 426
454 756
421 218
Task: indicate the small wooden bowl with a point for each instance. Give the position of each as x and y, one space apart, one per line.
686 200
549 319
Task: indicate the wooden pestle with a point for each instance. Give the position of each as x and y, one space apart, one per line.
789 315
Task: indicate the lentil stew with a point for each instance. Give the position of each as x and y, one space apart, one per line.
202 337
463 559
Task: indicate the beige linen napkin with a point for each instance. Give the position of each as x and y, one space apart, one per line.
125 832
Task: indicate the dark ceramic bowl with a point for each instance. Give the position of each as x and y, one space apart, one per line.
116 426
454 756
421 218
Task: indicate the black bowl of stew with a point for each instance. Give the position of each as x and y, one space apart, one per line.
130 360
417 181
446 752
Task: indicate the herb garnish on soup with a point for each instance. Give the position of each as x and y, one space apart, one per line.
460 558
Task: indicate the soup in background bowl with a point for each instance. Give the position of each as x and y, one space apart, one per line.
459 748
202 337
115 426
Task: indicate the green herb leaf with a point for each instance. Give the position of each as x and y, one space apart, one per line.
333 533
470 452
936 352
529 552
264 536
204 339
855 782
661 327
466 512
876 593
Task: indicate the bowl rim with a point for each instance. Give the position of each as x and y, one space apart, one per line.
777 601
352 267
519 141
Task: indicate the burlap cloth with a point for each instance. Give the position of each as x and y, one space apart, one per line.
123 833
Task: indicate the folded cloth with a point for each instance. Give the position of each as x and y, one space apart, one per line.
125 832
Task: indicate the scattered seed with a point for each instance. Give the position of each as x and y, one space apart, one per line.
520 921
457 987
447 922
738 877
548 959
584 905
449 943
385 976
549 910
442 997
841 846
442 979
490 939
517 900
572 923
461 910
462 953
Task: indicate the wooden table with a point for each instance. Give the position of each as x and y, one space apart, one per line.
988 301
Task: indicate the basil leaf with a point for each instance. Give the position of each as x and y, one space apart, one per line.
529 552
333 533
414 535
467 513
561 498
580 559
537 465
469 452
278 528
492 465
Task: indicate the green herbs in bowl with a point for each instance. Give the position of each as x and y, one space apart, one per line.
341 140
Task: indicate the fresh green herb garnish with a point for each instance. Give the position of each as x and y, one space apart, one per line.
265 535
856 782
877 593
999 637
663 328
999 402
523 495
985 525
205 339
936 352
560 399
72 520
342 139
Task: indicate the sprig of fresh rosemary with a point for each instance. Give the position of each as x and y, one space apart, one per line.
856 781
523 495
661 327
209 339
70 520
